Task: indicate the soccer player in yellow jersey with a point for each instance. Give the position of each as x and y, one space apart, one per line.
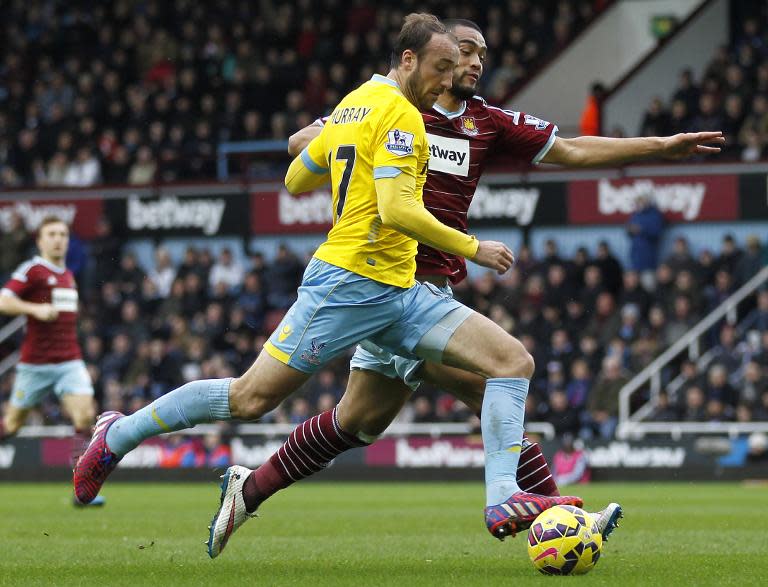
360 287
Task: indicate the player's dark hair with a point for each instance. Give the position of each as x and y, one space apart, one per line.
417 31
452 23
49 219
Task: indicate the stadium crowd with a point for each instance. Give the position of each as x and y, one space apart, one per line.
589 323
732 94
140 92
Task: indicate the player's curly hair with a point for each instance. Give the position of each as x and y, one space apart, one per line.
416 32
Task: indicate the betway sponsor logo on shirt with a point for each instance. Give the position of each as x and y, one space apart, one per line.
680 199
170 213
515 203
448 155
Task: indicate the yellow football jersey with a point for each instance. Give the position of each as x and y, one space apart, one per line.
374 132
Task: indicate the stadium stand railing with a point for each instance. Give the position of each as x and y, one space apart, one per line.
432 429
7 331
631 424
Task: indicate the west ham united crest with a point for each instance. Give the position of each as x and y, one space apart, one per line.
468 125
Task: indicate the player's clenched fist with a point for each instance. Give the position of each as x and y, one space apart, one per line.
46 313
494 255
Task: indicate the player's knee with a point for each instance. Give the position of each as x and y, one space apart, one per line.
250 402
84 418
11 426
517 362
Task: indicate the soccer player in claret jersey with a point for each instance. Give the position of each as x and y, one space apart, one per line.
360 286
45 291
463 132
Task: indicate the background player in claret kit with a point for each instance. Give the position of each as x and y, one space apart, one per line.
360 286
464 133
45 291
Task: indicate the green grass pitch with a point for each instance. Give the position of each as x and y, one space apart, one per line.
367 534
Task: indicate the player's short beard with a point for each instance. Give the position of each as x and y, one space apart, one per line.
462 92
415 87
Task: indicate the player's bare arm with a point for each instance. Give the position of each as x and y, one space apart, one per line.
301 138
603 151
14 306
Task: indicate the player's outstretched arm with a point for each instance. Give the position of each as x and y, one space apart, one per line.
14 306
399 209
298 141
603 151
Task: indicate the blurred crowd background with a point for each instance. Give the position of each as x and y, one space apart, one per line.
143 91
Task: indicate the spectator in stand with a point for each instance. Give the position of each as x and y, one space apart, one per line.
15 240
727 353
718 388
750 262
693 410
130 276
730 255
757 319
131 322
253 300
708 117
663 411
593 287
691 377
570 464
606 321
685 285
558 290
682 320
645 226
590 123
686 91
680 259
664 286
633 292
717 411
195 297
163 274
84 170
603 402
577 389
610 268
629 331
227 270
761 412
115 363
563 417
284 277
755 384
655 121
753 147
143 170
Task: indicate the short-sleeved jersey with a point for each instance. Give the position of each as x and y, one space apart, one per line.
40 281
461 144
374 132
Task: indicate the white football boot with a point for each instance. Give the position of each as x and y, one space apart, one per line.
608 519
231 513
